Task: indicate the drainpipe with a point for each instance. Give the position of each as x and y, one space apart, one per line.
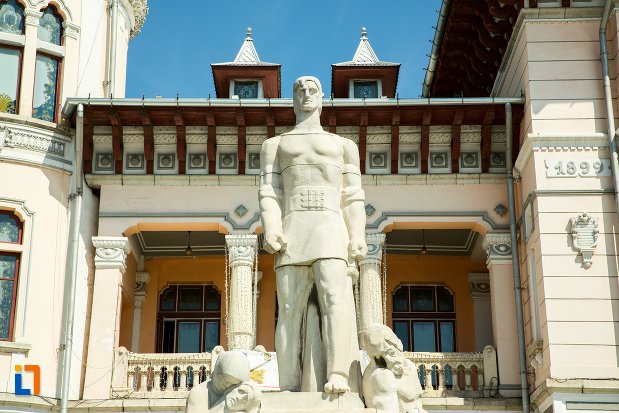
436 46
71 272
515 260
113 40
608 99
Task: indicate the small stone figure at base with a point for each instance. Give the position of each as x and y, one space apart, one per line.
390 381
228 389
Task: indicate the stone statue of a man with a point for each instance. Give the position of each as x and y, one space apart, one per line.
313 217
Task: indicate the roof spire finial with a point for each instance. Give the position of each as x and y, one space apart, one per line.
248 32
364 33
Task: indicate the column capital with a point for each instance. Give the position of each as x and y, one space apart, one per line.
479 283
375 243
241 249
70 29
498 246
32 17
141 281
111 252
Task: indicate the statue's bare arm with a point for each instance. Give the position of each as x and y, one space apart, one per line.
353 201
269 197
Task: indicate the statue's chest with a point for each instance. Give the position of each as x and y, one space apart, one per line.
309 148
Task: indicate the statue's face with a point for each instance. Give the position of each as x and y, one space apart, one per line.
307 97
238 399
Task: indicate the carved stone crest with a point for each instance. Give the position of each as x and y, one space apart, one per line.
585 236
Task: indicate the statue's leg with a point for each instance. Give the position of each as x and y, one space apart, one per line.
339 333
293 288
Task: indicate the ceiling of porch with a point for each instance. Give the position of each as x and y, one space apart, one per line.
451 242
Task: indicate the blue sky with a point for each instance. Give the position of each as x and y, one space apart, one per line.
180 40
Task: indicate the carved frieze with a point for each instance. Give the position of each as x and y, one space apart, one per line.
196 139
102 139
584 231
10 138
227 139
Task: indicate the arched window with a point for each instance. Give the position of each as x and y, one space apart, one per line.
11 48
189 319
424 318
45 100
11 229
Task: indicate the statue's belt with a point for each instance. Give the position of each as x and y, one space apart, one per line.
313 198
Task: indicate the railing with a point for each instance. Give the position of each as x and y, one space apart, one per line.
457 374
173 375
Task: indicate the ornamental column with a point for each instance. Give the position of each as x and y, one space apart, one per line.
482 309
110 264
141 281
31 30
241 255
499 251
371 299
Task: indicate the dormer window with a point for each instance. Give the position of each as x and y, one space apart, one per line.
365 89
246 89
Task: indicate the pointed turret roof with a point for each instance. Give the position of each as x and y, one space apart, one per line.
365 54
247 55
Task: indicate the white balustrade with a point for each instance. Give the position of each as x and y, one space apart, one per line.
172 375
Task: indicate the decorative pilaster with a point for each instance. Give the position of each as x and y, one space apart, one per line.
141 282
498 248
110 264
480 293
371 305
241 256
28 64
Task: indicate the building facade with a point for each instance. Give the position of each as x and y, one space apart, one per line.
130 231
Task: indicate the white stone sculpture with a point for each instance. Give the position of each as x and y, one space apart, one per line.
228 389
585 236
390 381
313 217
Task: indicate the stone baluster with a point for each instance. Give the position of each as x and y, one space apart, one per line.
241 250
143 378
441 378
371 305
141 281
499 252
183 374
467 378
429 377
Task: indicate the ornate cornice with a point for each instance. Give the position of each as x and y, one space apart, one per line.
140 10
375 244
498 245
241 249
111 252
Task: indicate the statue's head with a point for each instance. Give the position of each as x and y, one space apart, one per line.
380 342
307 94
231 369
243 397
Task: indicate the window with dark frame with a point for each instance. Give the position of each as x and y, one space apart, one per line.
424 318
48 67
12 21
246 89
189 318
11 230
365 89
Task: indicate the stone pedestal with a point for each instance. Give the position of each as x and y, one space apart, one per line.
241 253
110 259
499 251
371 300
310 402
